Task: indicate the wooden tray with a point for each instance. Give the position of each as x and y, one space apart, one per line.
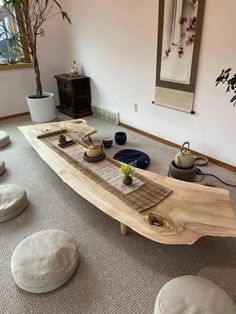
94 159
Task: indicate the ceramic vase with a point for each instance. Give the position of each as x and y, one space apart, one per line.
127 180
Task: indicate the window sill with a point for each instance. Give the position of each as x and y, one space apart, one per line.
16 66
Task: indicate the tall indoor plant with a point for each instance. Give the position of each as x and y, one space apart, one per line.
30 15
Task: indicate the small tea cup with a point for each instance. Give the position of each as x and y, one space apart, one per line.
107 142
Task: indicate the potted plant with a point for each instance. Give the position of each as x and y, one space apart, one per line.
30 15
127 171
230 81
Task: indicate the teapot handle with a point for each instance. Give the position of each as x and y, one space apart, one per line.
184 150
99 145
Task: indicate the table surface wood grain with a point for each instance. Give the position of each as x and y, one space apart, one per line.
189 213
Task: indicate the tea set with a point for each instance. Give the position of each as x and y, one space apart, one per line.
183 166
94 152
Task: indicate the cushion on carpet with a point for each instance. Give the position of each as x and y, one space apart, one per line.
4 139
44 261
2 167
195 295
13 200
133 156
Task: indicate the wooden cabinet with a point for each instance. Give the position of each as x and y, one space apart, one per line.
75 95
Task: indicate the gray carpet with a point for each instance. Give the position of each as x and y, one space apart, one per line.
116 274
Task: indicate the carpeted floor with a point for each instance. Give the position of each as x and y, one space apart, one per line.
120 275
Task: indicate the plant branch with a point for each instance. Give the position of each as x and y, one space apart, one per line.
30 16
223 78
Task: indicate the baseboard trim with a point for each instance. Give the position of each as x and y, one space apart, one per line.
172 144
14 116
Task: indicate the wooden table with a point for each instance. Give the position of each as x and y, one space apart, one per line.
190 212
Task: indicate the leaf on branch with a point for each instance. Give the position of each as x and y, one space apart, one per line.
219 79
228 70
232 81
233 99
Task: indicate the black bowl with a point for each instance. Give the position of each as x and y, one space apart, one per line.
120 138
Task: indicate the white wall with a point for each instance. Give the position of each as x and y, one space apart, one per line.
16 84
116 43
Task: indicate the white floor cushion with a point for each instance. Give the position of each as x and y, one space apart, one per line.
13 200
2 167
44 261
193 295
4 139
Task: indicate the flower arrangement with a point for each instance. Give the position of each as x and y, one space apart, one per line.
126 170
223 78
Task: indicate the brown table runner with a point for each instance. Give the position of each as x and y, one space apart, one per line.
143 198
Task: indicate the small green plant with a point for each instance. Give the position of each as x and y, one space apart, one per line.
126 170
230 81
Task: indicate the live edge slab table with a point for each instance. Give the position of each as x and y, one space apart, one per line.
189 211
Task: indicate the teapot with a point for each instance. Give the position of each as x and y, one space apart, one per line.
94 150
184 159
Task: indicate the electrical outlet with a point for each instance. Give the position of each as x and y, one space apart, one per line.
42 32
135 107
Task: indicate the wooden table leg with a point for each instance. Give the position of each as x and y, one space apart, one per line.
123 229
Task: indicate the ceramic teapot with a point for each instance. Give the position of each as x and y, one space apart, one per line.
184 159
94 150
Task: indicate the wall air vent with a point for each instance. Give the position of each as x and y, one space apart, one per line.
106 113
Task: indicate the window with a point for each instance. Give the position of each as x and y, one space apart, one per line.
10 37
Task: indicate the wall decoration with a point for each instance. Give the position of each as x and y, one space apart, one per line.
179 34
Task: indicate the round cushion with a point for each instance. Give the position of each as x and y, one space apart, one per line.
13 200
4 139
44 261
2 167
195 295
133 156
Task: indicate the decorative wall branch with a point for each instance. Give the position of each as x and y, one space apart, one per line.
188 37
224 78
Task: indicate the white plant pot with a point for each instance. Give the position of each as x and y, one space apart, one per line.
42 110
